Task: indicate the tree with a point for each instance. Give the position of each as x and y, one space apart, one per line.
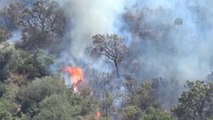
41 60
30 96
8 106
196 103
45 16
57 107
110 46
43 22
11 15
8 109
138 98
131 88
3 89
23 63
106 104
131 113
3 35
7 60
155 114
66 106
34 65
137 22
142 96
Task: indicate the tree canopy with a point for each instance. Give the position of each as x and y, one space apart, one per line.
196 102
111 46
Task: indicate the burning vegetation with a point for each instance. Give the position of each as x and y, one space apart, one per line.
76 76
106 60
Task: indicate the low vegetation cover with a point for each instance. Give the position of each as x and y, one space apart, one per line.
43 76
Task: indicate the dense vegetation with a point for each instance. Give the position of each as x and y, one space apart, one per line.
29 91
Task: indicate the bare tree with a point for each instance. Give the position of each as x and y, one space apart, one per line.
111 46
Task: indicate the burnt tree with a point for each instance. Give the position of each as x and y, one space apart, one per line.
111 46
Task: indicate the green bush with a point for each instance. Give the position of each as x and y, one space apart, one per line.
7 109
131 113
155 114
30 96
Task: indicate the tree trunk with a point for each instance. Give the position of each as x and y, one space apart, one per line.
116 68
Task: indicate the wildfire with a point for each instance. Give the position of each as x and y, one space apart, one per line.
98 115
76 76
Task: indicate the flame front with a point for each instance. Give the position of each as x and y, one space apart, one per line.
76 76
98 115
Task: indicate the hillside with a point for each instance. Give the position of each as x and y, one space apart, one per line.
106 60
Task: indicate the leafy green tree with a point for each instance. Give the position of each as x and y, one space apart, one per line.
111 46
138 98
25 66
30 65
196 102
141 96
8 106
57 107
34 65
66 106
6 92
7 60
7 109
30 96
155 114
88 104
46 16
131 113
43 22
41 61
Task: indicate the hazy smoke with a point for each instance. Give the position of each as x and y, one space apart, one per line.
15 37
168 39
173 49
4 3
89 17
169 49
172 40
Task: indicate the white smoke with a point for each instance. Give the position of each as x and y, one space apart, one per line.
182 52
190 41
191 58
90 17
16 36
4 3
175 52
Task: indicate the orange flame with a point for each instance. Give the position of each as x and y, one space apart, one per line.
76 76
98 115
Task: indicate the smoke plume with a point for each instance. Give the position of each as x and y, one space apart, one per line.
176 50
172 40
168 39
87 18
